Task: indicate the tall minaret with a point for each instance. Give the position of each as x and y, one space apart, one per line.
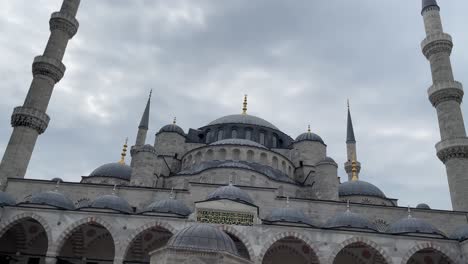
144 123
351 149
446 96
31 120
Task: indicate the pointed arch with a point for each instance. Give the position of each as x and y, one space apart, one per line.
242 237
283 235
362 240
4 227
428 245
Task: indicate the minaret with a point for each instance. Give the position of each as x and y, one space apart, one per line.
446 96
144 123
351 148
31 120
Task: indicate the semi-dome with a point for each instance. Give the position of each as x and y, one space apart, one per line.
349 219
112 202
460 234
288 215
115 170
309 136
237 141
359 187
203 237
172 128
169 206
230 192
243 119
6 199
412 225
52 198
423 206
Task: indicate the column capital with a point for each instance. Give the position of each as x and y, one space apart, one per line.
30 117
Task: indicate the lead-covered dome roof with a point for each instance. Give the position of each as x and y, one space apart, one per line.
288 215
230 192
349 219
6 199
172 128
309 136
412 225
115 170
169 206
203 237
243 119
237 141
460 234
360 188
112 202
423 206
52 198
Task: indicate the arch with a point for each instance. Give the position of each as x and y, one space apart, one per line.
274 162
127 243
250 155
222 154
209 154
263 158
243 238
283 167
69 231
4 227
198 157
234 133
236 154
220 134
428 245
248 133
283 235
362 240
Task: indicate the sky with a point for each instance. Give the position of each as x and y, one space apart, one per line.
298 61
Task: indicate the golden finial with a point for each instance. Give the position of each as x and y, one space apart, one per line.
244 108
354 169
124 152
174 121
308 129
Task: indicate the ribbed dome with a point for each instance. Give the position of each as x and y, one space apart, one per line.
349 220
52 198
359 188
423 206
461 233
243 119
169 206
288 215
112 202
238 141
230 192
172 128
114 170
6 199
309 136
202 237
412 225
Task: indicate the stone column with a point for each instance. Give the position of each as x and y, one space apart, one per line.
446 95
31 120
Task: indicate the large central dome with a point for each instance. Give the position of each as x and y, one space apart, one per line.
243 119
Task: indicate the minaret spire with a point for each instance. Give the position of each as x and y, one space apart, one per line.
144 123
31 120
244 105
124 152
352 166
446 95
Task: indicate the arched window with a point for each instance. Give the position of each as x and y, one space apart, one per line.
208 137
248 134
275 162
250 155
222 154
236 154
209 154
234 133
274 141
262 138
283 166
220 134
263 159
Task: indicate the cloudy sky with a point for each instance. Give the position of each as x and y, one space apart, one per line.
297 60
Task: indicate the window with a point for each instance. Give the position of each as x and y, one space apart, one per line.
274 141
220 135
248 134
208 137
234 133
262 138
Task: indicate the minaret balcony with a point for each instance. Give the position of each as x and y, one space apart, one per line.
436 43
456 148
30 117
445 91
64 22
48 67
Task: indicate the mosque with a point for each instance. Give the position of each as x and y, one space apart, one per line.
236 190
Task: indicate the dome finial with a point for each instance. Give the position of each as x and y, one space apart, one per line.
409 212
174 121
57 185
244 108
348 206
114 190
171 195
287 202
308 129
124 152
354 169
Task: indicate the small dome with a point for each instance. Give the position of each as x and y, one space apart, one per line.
412 225
6 199
230 192
243 119
172 128
349 220
460 234
56 179
360 188
169 206
327 160
238 141
203 237
423 206
112 202
289 215
114 170
52 198
309 136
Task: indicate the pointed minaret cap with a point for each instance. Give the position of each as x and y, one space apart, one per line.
350 130
428 3
144 123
